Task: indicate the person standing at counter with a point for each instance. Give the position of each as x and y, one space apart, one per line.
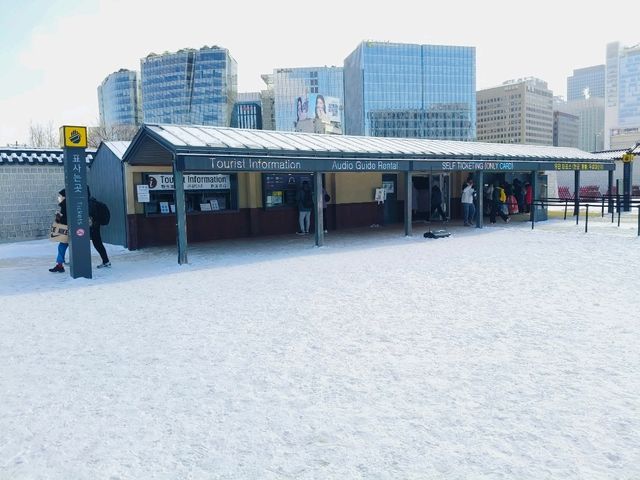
305 204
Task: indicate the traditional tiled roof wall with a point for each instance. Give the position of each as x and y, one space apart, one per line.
17 156
29 182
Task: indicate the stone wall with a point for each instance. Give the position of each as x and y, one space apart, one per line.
28 200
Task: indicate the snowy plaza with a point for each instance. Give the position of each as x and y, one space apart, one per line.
496 353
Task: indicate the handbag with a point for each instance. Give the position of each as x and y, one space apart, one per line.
59 233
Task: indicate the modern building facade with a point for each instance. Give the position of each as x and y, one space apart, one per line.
247 115
586 82
189 87
119 99
408 90
590 113
622 95
297 88
565 129
518 111
267 102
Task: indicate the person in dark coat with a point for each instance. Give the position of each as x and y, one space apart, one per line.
304 200
436 202
61 217
96 238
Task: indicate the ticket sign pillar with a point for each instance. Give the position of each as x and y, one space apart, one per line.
73 140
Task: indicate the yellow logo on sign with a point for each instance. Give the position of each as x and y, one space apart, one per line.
627 157
71 136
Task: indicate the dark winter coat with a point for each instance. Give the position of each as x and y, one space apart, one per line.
61 216
436 196
305 199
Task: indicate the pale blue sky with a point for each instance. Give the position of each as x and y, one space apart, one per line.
54 54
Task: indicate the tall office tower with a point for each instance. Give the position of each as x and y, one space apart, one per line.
197 87
267 102
586 82
296 92
518 111
565 129
408 90
119 99
590 113
622 96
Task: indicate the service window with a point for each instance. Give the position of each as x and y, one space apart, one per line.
203 192
280 189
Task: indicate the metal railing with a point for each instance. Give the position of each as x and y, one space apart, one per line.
615 203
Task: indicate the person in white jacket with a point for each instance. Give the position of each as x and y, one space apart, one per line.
468 207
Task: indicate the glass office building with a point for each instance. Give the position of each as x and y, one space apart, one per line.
247 115
622 94
196 87
414 91
289 84
586 83
119 99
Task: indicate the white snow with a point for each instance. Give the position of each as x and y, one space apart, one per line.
501 353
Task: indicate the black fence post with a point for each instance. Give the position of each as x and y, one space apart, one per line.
602 215
618 217
576 212
533 214
566 205
586 220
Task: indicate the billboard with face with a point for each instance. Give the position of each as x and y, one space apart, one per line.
324 108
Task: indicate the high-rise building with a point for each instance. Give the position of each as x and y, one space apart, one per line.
247 112
590 113
197 87
518 111
565 129
247 115
296 88
622 94
586 82
408 90
267 102
119 99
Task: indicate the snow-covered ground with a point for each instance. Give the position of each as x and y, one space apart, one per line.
501 353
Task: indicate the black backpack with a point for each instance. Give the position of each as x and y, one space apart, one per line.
100 212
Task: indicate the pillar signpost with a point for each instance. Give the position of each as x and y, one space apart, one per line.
73 140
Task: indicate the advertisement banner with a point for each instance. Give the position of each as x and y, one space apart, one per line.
324 108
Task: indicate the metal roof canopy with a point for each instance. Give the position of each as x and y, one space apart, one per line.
200 148
219 149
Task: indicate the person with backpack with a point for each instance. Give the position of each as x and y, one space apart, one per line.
499 199
99 215
305 205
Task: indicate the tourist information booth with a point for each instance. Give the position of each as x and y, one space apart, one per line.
201 183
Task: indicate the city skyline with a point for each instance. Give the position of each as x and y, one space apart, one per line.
54 60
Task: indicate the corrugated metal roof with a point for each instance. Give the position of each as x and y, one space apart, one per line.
117 147
35 156
183 138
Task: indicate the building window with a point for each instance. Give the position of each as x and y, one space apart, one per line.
204 192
